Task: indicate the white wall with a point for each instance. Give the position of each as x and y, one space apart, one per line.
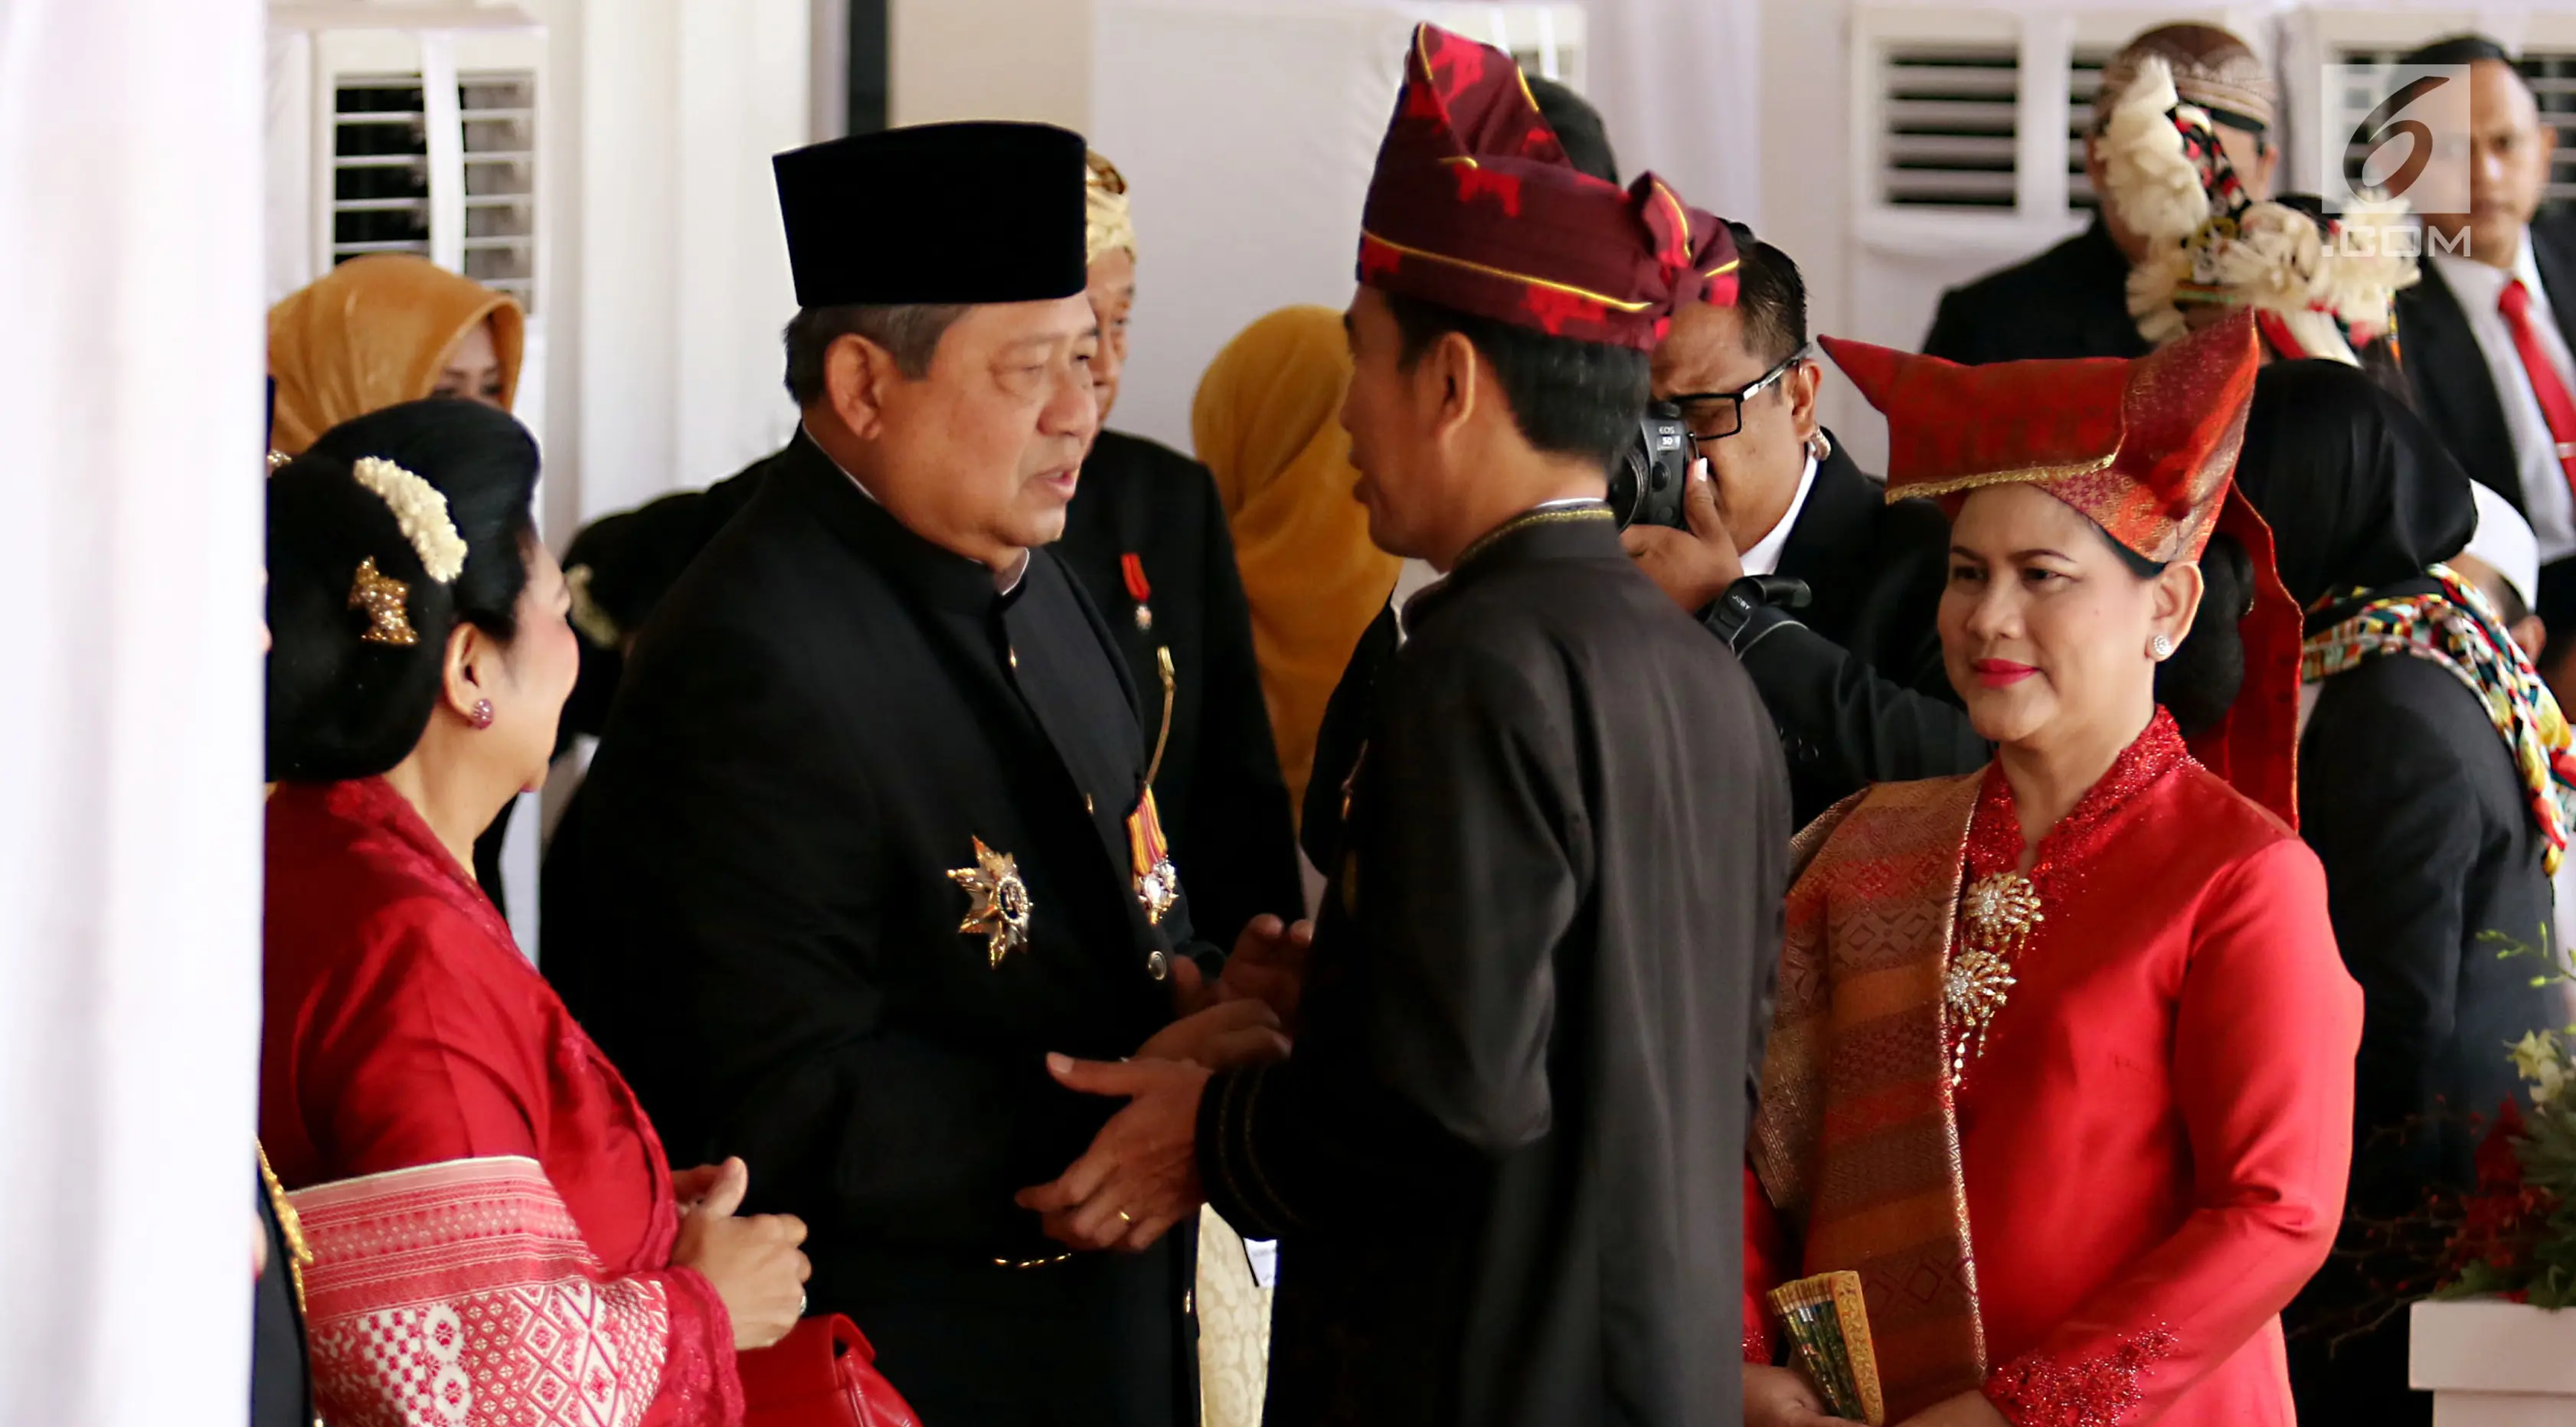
1247 129
130 141
681 270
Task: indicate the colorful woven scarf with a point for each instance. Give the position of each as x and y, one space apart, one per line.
2457 629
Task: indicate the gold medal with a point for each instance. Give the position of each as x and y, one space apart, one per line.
1158 883
1001 907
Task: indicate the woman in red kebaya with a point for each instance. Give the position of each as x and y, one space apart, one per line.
2062 1063
496 1236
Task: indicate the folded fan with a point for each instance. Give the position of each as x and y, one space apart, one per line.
1826 1317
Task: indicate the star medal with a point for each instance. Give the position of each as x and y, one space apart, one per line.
1158 883
1000 912
1137 589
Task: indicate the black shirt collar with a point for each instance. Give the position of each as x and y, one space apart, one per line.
941 576
1558 530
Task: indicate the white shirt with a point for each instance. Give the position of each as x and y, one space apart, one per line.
1764 557
2537 470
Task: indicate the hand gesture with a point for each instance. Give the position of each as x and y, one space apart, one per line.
1141 1174
1227 1034
754 1263
1781 1397
1268 965
1692 568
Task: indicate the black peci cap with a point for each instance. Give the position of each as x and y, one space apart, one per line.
935 213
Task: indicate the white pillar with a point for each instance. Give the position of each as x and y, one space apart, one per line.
130 392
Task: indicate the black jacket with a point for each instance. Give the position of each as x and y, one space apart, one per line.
2457 397
821 722
1856 684
2071 301
2432 860
1223 800
1505 1163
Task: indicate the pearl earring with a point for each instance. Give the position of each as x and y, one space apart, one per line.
2160 648
481 714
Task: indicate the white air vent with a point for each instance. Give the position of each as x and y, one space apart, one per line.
2552 74
379 166
497 111
1951 132
2083 81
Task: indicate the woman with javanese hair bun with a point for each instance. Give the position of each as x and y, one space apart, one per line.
492 1226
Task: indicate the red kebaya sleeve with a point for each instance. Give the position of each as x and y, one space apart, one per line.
2264 1040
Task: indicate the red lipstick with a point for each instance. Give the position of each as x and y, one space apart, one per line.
2000 673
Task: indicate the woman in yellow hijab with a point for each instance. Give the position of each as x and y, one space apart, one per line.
1267 424
384 329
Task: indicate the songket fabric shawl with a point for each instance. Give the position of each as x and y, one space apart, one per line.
461 1294
1855 1140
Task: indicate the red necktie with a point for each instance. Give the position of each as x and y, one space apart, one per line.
2556 406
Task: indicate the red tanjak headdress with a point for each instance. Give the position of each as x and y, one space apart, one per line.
2144 447
1474 206
2147 449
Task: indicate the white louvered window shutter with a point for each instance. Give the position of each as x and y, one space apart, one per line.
497 114
2550 71
379 166
2083 81
1951 134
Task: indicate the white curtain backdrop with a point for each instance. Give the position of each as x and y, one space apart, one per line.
1681 87
130 408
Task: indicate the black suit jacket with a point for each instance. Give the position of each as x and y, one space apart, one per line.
2071 301
1223 800
2413 805
1504 1164
1857 686
824 718
2453 391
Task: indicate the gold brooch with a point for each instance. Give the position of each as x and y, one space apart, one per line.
1000 913
382 596
2001 910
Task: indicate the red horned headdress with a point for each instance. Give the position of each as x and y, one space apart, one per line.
2147 449
1474 206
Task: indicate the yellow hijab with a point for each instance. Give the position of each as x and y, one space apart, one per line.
374 332
1266 422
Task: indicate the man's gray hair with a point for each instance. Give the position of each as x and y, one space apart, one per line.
910 332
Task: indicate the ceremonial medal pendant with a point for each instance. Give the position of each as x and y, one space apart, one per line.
1000 909
1158 883
2000 912
1138 589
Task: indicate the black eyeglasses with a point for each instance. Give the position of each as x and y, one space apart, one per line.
1716 415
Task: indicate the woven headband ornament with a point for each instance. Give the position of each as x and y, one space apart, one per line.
1108 225
421 512
2168 181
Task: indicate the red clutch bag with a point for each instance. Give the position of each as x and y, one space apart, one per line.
822 1374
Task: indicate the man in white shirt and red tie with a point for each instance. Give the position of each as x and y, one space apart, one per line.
2487 334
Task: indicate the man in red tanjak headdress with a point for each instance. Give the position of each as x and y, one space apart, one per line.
1504 1160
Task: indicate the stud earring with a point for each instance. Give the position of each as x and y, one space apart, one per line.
2160 648
481 714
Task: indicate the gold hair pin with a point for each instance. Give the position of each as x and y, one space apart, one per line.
382 596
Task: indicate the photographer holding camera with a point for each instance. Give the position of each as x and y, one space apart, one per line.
1823 588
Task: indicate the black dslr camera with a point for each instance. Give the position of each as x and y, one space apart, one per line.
1646 483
